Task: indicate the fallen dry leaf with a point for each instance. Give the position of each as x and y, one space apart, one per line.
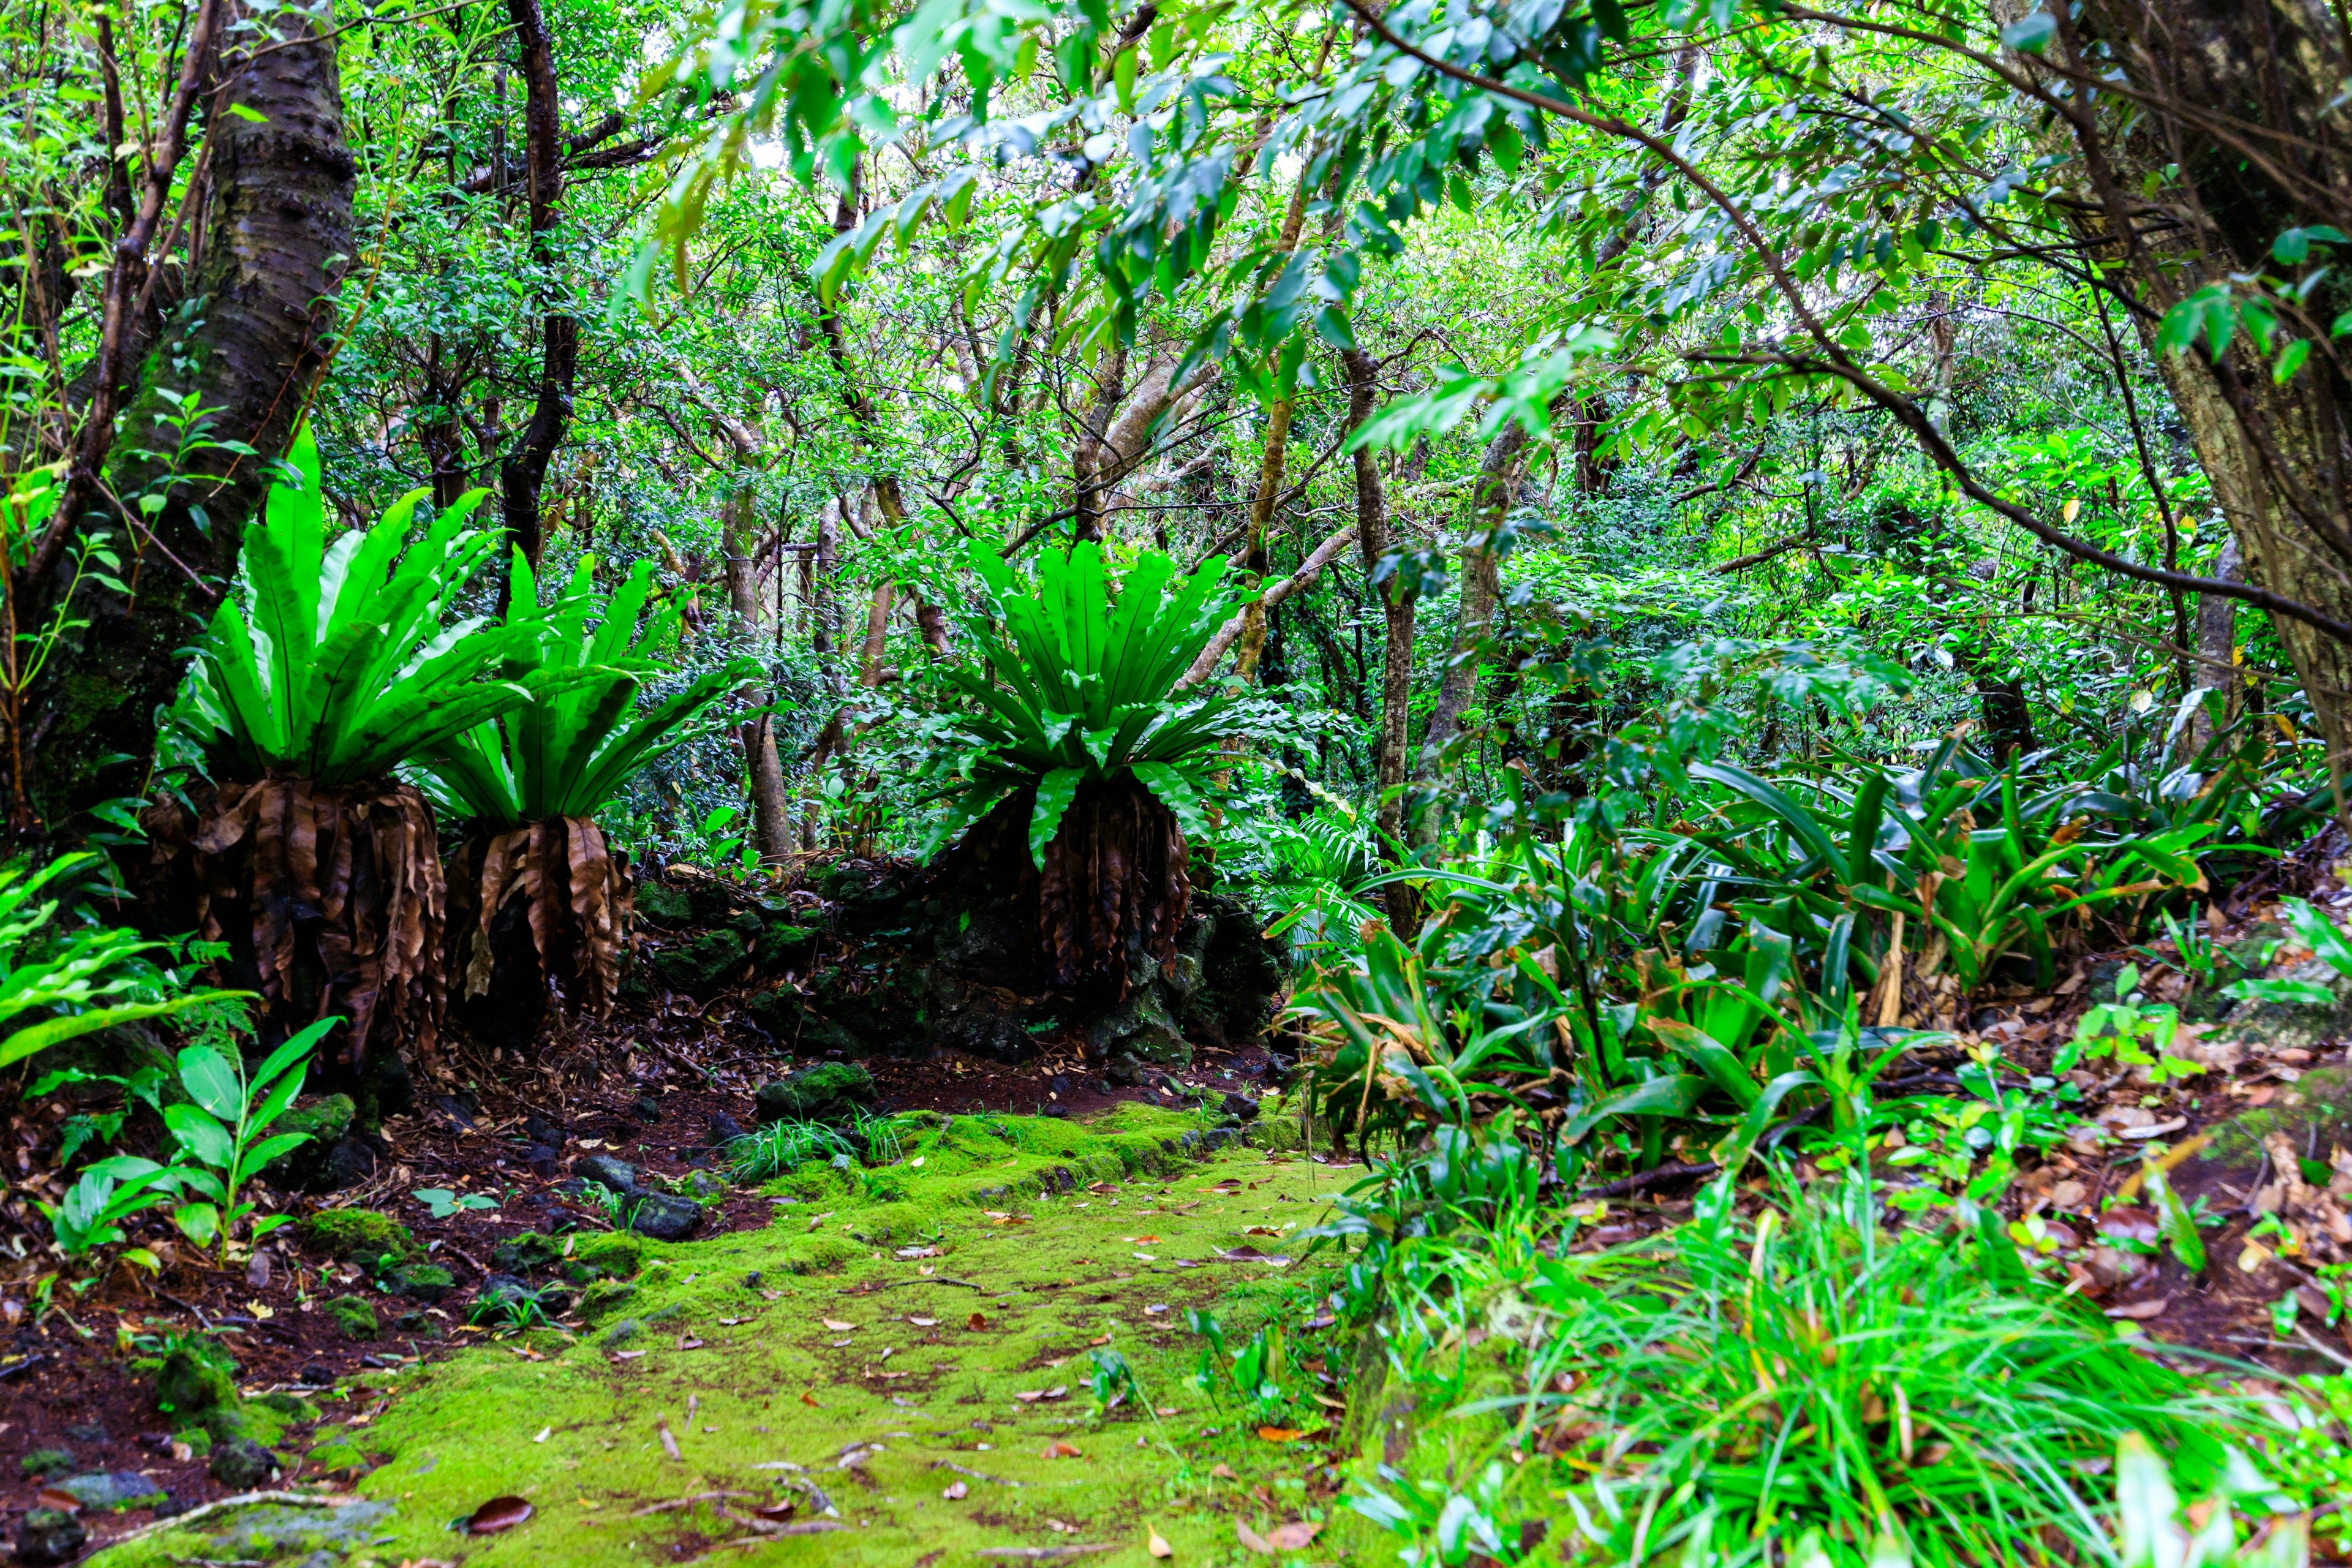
668 1442
1247 1254
1253 1540
809 1398
1261 1230
957 1491
1142 1240
1057 1449
1222 1471
924 1322
689 1343
731 1322
1280 1434
63 1501
975 1322
1157 1546
2140 1312
1292 1537
626 1355
1030 1397
1104 1339
838 1326
544 1434
500 1513
917 1252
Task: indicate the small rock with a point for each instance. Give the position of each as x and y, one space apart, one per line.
540 1130
110 1492
89 1432
647 1109
425 1282
662 1216
724 1129
1240 1107
318 1376
617 1174
1280 1069
542 1159
349 1162
355 1315
622 1332
243 1463
832 1091
49 1535
529 1251
1125 1069
705 1188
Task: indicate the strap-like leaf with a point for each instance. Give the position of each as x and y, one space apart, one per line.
1054 793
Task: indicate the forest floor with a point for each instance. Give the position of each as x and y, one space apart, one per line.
892 1373
899 1365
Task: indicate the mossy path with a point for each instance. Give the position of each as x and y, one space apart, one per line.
905 1357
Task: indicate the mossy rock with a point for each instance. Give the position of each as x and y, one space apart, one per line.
196 1379
521 1253
663 905
47 1461
199 1441
699 966
829 1091
322 1124
355 1315
425 1282
614 1256
354 1234
783 943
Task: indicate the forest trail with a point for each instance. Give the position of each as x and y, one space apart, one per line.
897 1374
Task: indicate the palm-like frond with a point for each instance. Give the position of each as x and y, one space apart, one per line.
1074 680
585 733
333 664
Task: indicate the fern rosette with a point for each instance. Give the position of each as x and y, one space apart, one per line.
539 889
1076 749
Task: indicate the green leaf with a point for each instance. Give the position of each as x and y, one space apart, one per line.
2030 34
1055 791
212 1082
200 1223
204 1139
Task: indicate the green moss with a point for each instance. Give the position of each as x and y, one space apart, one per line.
353 1234
195 1378
417 1281
199 1441
612 1256
355 1315
737 1323
47 1461
292 1406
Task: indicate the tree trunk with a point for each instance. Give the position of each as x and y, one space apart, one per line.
523 473
1396 667
276 234
2230 137
1490 501
2217 653
772 810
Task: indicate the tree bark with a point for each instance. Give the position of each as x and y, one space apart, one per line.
1255 557
522 472
771 809
1396 665
2228 138
2217 653
1498 476
276 235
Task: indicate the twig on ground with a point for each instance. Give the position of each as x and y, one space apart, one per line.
975 1475
1643 1182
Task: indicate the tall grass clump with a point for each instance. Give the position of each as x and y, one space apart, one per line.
1798 1385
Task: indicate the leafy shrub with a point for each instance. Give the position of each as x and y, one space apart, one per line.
781 1148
